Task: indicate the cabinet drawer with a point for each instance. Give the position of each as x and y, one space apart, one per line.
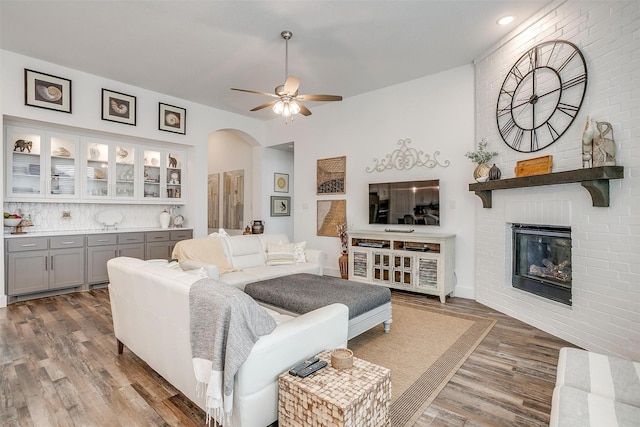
181 234
66 242
20 245
126 238
102 239
158 236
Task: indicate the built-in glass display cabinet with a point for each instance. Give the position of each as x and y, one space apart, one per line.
41 165
162 174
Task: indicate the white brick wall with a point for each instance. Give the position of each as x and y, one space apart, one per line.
605 315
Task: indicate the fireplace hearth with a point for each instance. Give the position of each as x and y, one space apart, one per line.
542 260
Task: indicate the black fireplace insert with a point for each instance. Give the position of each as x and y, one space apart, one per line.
542 260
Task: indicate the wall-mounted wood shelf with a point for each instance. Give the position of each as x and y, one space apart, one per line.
595 180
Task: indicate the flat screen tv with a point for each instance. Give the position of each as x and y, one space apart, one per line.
408 202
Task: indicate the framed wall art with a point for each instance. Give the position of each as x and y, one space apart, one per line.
47 91
281 182
331 174
331 213
280 206
213 201
172 118
118 107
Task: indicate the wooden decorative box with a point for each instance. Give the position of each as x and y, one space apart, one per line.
357 396
535 166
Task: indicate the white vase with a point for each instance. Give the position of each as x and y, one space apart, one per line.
165 218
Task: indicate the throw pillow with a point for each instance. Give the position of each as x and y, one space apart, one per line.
298 251
278 254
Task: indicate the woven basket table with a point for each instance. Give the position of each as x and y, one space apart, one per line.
357 396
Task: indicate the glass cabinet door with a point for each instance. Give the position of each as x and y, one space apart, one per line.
63 155
24 161
97 175
174 175
126 173
151 160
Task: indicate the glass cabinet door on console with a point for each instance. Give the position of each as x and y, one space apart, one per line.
152 174
40 164
174 175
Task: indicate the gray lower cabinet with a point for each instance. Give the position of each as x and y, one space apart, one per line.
42 264
102 247
36 265
160 243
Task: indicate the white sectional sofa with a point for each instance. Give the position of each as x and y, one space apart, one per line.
238 260
150 308
594 390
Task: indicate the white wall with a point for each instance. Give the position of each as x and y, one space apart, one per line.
435 112
277 161
605 315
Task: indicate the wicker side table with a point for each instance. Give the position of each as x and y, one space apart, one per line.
357 396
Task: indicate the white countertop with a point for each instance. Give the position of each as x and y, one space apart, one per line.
111 230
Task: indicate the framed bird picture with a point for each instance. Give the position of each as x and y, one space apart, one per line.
118 107
280 206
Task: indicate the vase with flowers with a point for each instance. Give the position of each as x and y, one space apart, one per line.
482 158
343 260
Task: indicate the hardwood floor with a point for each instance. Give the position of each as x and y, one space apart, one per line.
59 367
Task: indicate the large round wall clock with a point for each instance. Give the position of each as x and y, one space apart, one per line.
541 95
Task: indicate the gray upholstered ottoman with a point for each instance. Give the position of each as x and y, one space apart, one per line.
369 305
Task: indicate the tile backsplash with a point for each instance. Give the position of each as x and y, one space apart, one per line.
82 216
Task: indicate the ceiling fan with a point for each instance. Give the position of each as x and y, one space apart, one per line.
287 102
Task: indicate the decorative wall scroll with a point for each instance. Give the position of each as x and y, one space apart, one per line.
233 199
331 213
406 158
331 175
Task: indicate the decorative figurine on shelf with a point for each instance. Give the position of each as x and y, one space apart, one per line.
481 157
173 162
247 230
587 143
604 147
22 145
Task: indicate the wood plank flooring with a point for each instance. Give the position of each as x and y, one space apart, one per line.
59 367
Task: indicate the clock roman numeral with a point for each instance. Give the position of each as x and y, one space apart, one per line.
517 140
566 61
554 134
569 110
534 140
502 111
507 127
533 58
517 74
574 81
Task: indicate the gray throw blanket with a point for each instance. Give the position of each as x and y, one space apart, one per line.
225 324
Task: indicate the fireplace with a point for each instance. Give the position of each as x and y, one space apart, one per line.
542 261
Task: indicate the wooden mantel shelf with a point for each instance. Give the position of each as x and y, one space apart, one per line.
595 180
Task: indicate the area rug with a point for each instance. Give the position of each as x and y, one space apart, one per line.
424 349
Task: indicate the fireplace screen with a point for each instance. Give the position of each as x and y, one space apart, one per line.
542 261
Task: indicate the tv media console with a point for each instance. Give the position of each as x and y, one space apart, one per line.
417 262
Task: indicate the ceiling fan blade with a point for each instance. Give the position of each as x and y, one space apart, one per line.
291 85
304 110
265 105
320 97
273 95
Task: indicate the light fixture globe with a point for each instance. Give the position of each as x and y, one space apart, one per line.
278 107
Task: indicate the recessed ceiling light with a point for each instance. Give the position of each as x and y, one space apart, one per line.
505 20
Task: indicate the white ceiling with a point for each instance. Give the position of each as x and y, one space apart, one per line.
198 50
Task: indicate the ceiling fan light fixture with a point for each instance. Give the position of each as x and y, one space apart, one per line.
278 107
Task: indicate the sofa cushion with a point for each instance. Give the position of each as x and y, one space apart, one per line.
298 251
245 251
610 377
279 254
572 407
